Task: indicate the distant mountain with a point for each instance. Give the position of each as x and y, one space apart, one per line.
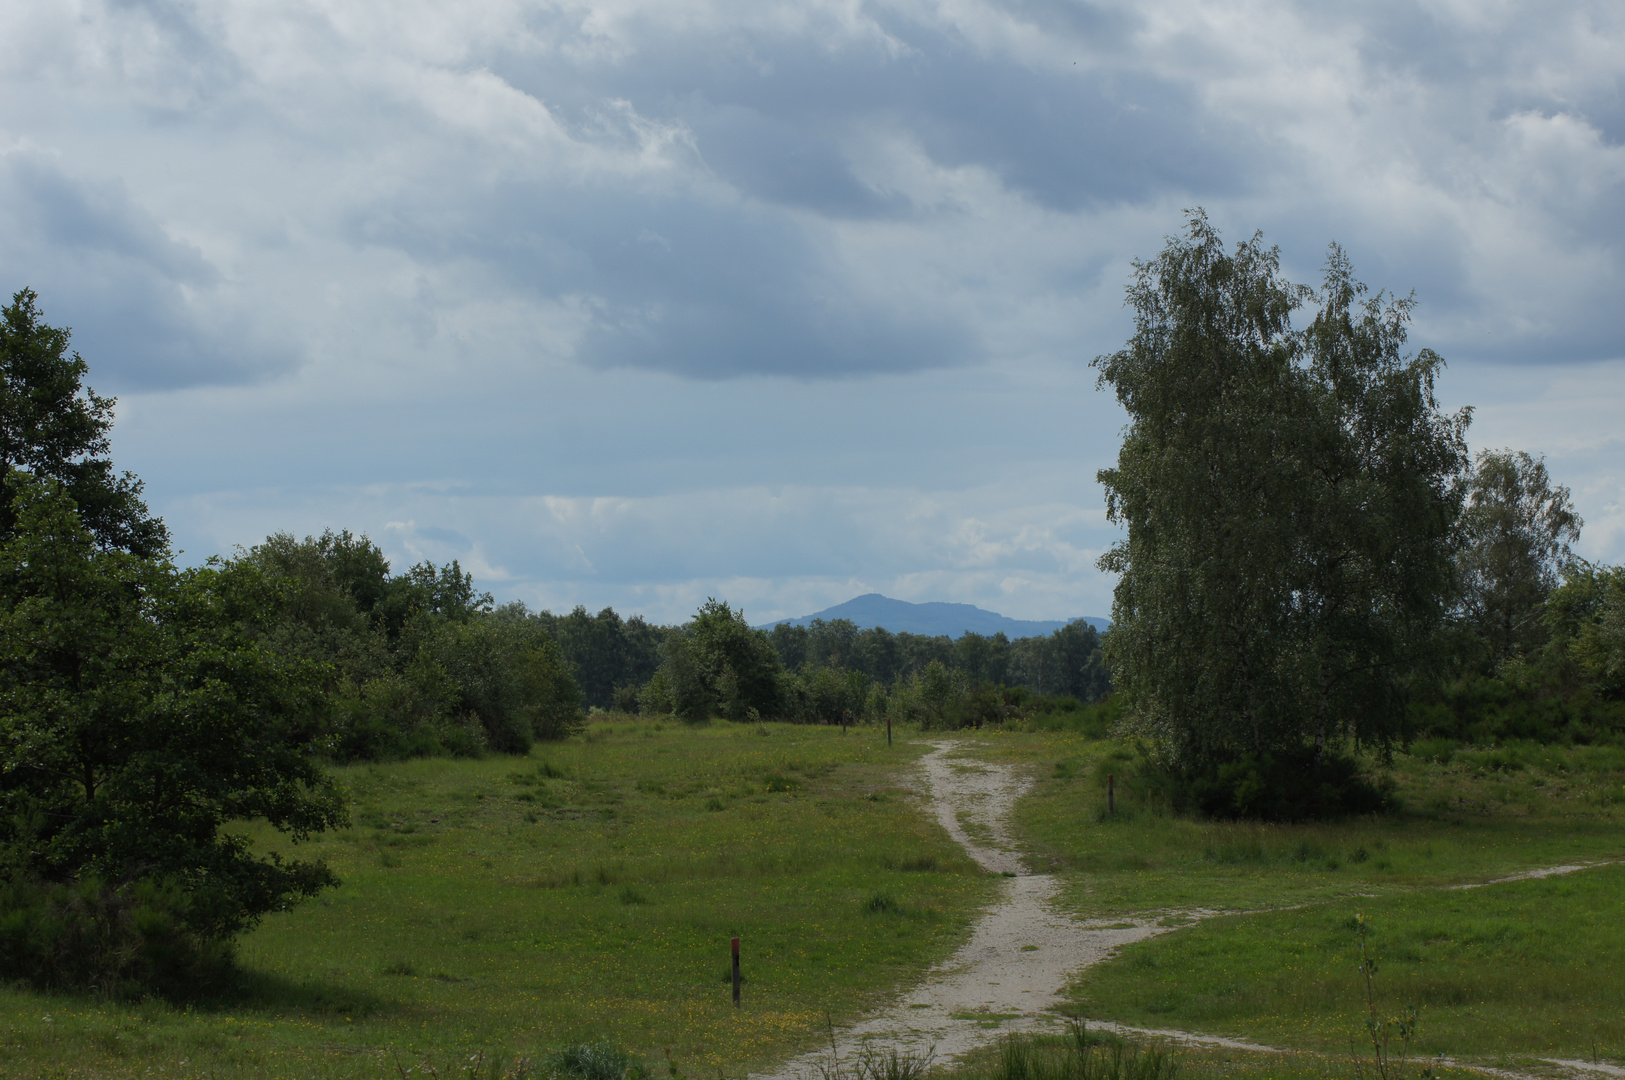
902 617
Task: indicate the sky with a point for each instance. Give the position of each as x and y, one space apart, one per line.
638 302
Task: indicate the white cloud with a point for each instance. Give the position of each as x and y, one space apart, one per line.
631 302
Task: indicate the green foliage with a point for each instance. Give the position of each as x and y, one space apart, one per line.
117 941
1569 690
1586 615
417 663
1521 704
400 714
827 695
1068 661
510 680
1292 783
52 426
1048 713
591 1061
719 666
1516 531
139 717
610 657
1289 498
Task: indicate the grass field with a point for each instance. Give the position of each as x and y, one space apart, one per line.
1510 973
586 892
1481 815
505 906
1507 973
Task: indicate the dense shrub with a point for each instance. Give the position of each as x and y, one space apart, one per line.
592 1061
1046 713
717 666
1288 784
1517 705
115 940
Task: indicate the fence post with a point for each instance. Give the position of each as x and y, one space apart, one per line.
888 729
736 973
1111 794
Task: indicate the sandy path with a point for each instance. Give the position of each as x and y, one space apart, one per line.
1021 952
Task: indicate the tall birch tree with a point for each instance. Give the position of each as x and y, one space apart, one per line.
1289 498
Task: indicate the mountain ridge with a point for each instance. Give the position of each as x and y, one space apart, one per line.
934 618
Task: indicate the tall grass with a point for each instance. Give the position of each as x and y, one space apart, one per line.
1081 1055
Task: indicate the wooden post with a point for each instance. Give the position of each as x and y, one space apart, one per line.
1111 794
888 729
736 973
846 715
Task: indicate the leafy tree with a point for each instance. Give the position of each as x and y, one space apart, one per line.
719 666
1289 498
510 677
51 425
1586 615
1516 529
830 695
880 654
983 659
605 652
140 717
792 643
1068 662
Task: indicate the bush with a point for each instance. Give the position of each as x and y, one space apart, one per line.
626 699
1521 703
114 940
509 677
592 1061
1289 784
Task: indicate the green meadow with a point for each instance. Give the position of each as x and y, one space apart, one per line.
1480 815
1506 973
501 906
491 909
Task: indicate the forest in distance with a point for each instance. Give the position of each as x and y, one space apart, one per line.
507 673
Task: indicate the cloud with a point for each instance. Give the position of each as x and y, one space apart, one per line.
640 300
138 297
703 184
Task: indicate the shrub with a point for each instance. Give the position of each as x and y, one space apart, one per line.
1290 784
117 940
592 1061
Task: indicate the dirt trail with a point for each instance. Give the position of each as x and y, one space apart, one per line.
1021 952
